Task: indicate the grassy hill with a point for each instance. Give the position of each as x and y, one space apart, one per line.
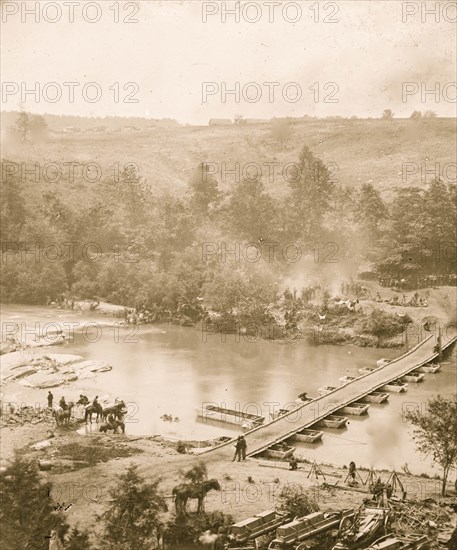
362 151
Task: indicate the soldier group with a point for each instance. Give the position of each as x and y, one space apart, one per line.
240 449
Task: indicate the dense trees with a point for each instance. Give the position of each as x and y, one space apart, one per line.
243 292
251 211
204 192
420 237
137 245
13 211
27 281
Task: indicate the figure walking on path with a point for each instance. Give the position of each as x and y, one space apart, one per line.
50 399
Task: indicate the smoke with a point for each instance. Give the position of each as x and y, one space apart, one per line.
384 435
312 270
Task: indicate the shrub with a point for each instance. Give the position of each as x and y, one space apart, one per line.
296 503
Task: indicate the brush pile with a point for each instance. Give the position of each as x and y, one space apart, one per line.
423 517
18 416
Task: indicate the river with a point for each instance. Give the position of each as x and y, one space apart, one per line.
169 369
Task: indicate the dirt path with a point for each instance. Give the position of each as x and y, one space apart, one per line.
247 487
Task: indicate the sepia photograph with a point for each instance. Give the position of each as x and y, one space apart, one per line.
228 275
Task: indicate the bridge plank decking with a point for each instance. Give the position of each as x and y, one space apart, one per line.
306 415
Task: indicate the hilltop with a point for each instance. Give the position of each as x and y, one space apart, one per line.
358 151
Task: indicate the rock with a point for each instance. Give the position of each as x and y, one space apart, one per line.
48 341
44 465
64 358
92 366
42 444
9 347
49 370
21 372
44 380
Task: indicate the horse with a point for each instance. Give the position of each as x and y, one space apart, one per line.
118 410
183 492
209 540
83 400
106 426
62 416
93 409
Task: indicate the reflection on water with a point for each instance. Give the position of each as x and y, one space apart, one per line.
172 370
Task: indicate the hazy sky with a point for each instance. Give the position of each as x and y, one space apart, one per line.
368 53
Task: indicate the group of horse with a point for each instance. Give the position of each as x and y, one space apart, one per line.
62 416
111 416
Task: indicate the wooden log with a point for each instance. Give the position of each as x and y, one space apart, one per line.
285 466
354 489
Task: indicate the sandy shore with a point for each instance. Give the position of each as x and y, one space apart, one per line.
85 468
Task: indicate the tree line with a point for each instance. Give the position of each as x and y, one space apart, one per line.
149 242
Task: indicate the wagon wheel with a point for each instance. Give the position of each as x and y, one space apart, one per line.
346 524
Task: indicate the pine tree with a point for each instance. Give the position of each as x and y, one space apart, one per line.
370 210
27 515
134 516
78 541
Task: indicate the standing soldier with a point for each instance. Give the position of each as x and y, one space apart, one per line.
50 398
352 471
237 449
244 447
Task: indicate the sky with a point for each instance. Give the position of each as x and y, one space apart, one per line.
356 56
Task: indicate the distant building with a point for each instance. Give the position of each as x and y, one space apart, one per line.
71 130
257 121
220 122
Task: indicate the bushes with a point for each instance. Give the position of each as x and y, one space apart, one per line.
188 529
384 325
296 503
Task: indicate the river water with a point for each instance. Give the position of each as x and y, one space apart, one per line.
173 370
